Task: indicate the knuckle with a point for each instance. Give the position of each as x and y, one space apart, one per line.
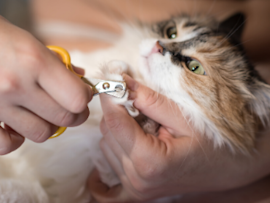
66 118
31 55
42 134
9 84
148 170
141 187
29 52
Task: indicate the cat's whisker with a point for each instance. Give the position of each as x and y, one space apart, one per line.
201 146
241 43
186 156
232 31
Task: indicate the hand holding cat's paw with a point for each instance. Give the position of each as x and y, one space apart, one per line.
178 161
114 70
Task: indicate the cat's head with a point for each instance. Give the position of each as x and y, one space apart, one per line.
200 64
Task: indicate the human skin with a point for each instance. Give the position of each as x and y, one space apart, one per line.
37 92
178 161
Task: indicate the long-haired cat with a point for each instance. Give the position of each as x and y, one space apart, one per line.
196 62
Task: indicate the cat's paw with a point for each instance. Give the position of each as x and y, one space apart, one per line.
113 71
148 125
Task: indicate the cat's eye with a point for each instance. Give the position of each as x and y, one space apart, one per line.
171 32
196 67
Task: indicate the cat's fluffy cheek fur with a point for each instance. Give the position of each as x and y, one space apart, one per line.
162 73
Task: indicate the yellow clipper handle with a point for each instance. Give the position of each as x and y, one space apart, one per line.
59 131
66 60
65 57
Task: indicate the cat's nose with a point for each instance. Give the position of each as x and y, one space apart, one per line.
158 48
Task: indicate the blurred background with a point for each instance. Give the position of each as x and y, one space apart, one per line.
17 12
74 24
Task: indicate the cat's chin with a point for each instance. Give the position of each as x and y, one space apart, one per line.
144 65
145 51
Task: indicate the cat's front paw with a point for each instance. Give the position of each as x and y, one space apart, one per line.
113 71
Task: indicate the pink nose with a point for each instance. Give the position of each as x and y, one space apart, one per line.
157 48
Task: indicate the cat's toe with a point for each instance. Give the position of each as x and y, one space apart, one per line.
117 67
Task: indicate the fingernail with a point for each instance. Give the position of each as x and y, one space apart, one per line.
131 83
78 70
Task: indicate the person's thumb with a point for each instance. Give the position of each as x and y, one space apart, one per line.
158 107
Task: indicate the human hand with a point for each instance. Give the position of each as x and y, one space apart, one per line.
178 161
37 92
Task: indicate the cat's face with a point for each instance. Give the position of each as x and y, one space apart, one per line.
198 65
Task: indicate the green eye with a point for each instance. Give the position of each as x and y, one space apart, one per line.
171 32
196 67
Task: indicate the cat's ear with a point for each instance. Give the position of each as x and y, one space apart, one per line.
260 103
233 26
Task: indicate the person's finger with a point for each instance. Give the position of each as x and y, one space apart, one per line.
47 108
123 165
78 70
130 135
66 88
111 148
144 150
148 153
124 168
114 157
158 107
28 124
104 194
9 140
123 127
117 157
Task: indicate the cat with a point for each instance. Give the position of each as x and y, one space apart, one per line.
196 62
